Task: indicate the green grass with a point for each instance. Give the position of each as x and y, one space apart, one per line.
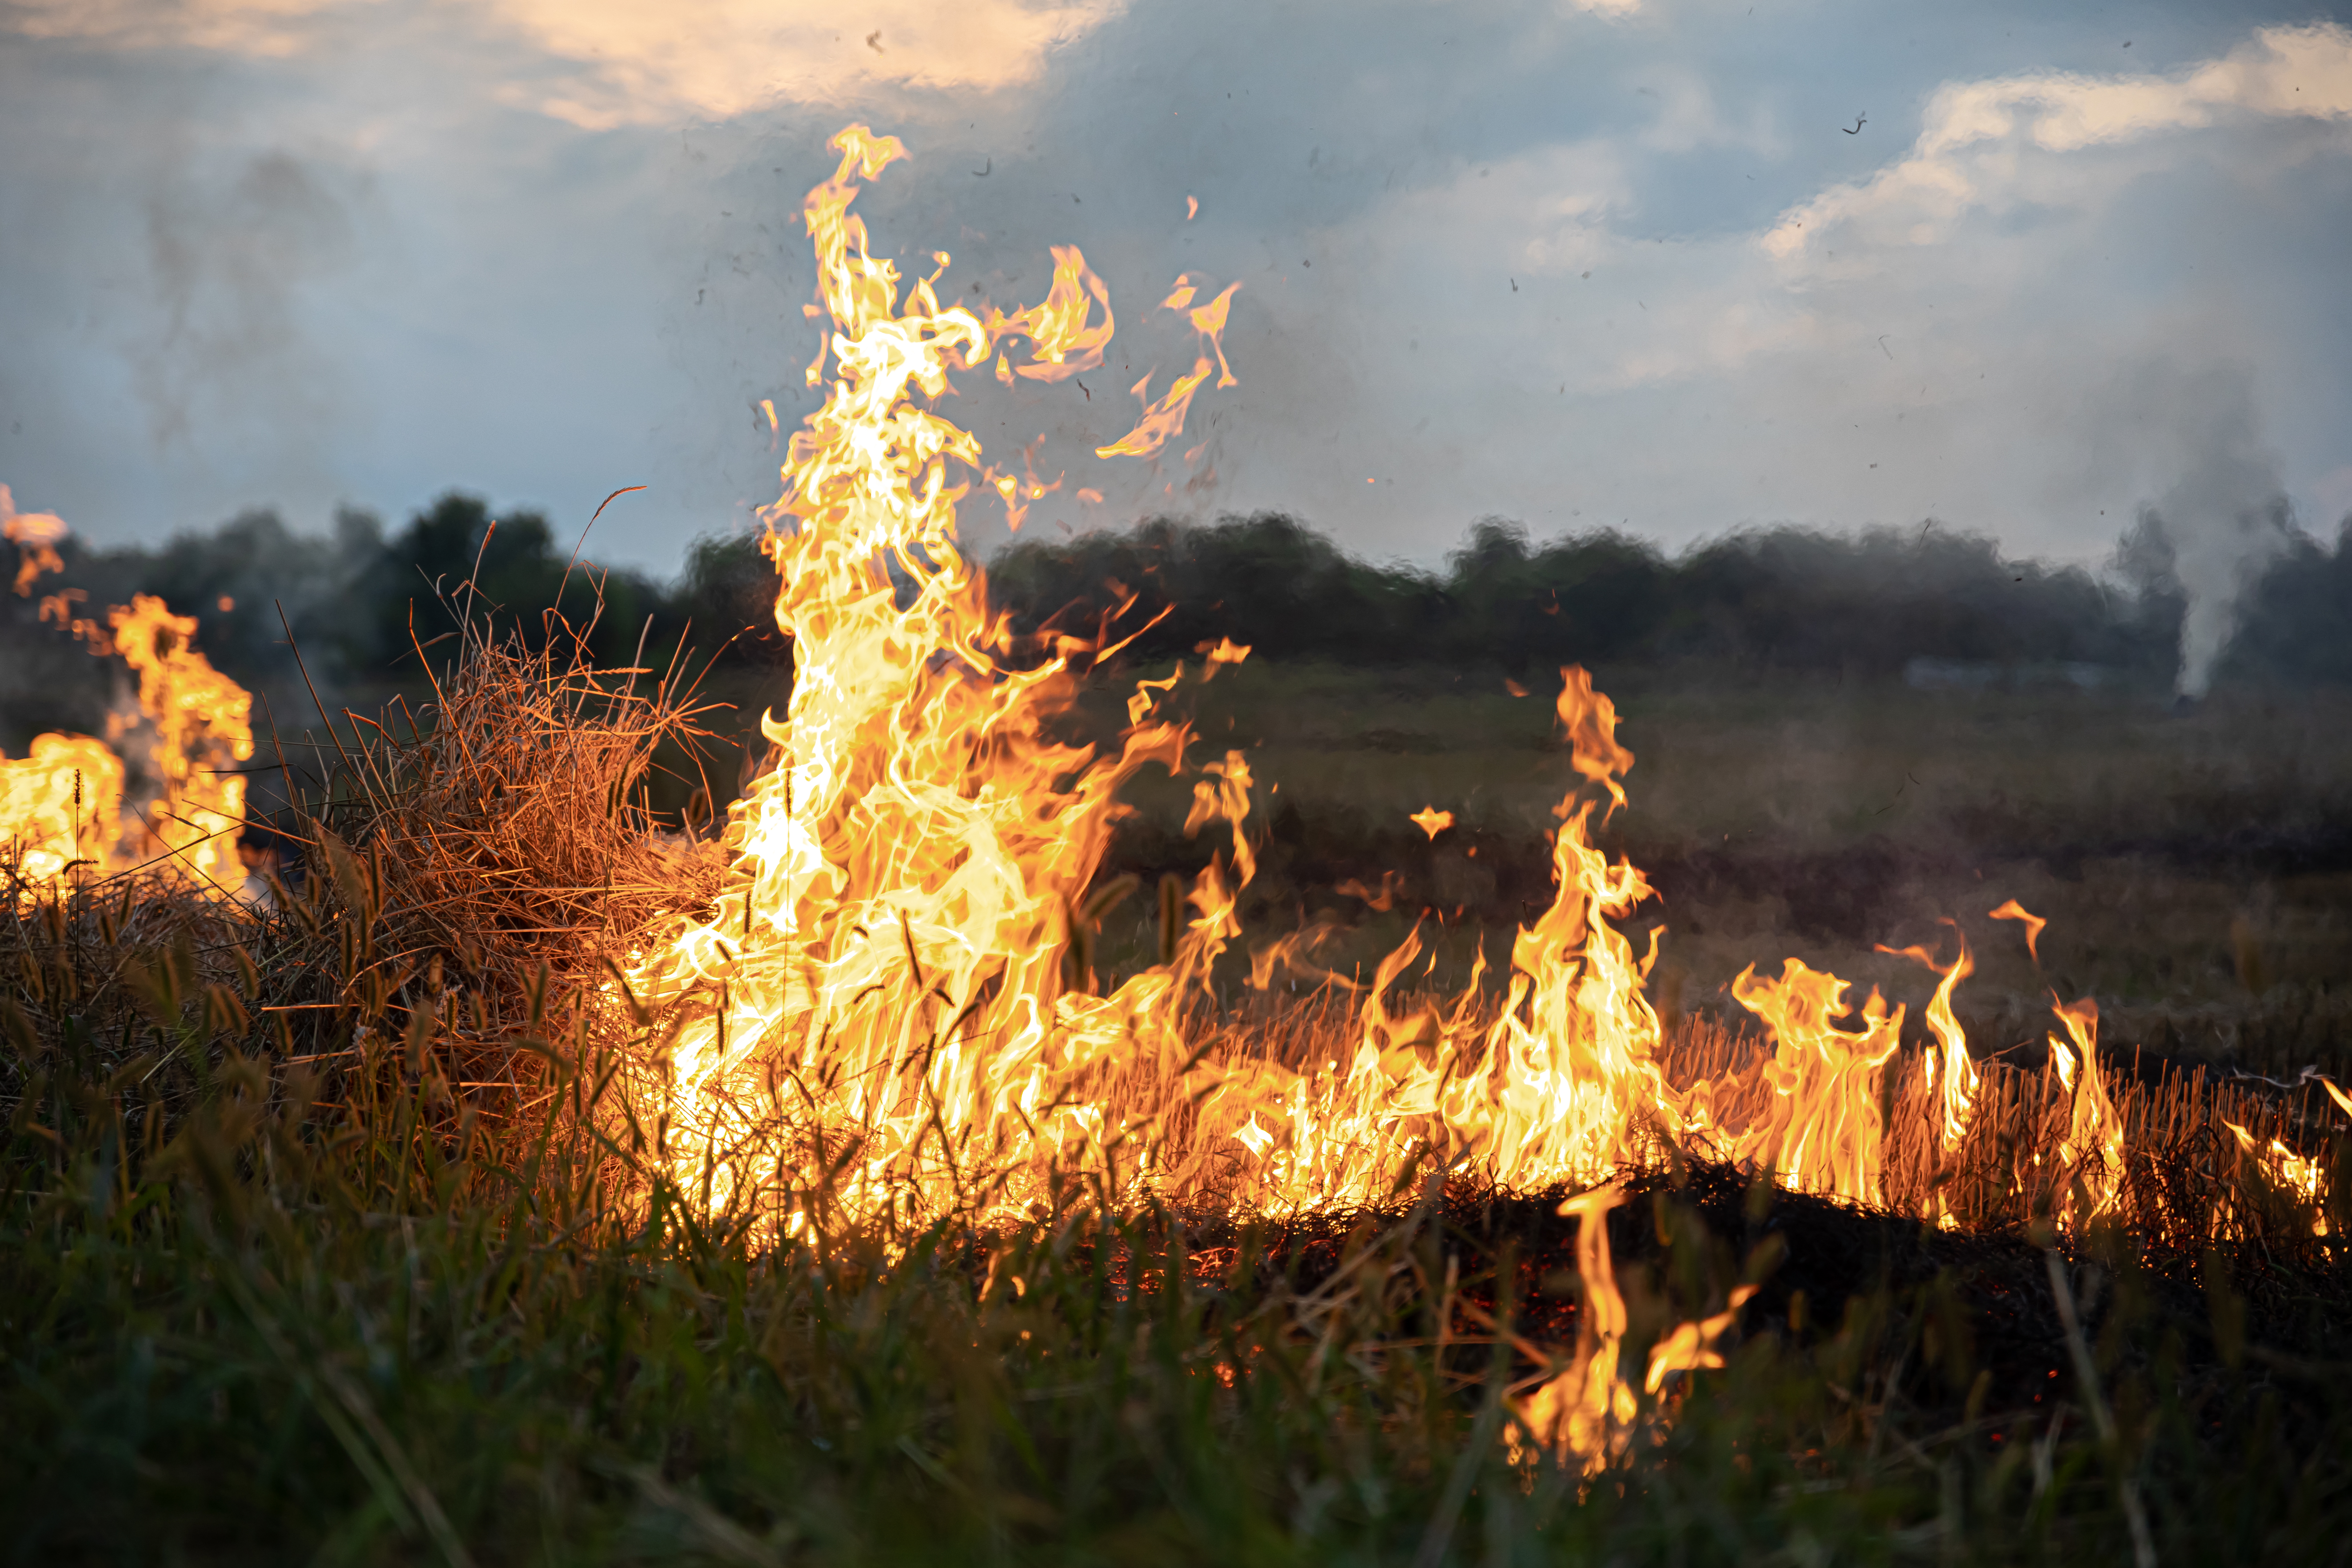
257 1311
273 1332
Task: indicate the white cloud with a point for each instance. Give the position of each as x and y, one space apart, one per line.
601 63
1975 148
718 59
269 28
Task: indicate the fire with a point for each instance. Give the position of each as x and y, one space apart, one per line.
2297 1175
2092 1153
67 805
891 1011
36 535
59 805
1949 1071
1586 1414
1822 1129
895 973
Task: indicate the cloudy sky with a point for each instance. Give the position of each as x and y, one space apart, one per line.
1674 266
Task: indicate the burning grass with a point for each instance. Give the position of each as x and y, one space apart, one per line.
318 1247
299 1315
590 1192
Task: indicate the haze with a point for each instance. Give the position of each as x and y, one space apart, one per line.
1668 265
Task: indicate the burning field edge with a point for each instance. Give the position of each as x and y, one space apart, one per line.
327 1236
505 1176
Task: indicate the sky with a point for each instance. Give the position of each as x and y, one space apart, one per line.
1673 267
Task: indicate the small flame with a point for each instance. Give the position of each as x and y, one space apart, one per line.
63 806
1162 419
1432 820
1589 720
2297 1174
1223 651
2092 1153
1950 1068
1063 340
1588 1413
2014 910
36 535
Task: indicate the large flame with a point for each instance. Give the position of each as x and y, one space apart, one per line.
889 977
891 1010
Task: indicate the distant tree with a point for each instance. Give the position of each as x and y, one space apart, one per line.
725 602
1778 598
455 559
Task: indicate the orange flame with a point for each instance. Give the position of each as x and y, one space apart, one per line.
2014 910
892 1002
1589 720
1163 419
2093 1151
2297 1174
1587 1413
36 535
59 806
1063 341
889 970
1951 1068
65 806
1822 1131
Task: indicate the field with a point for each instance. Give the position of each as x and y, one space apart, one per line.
314 1251
2193 865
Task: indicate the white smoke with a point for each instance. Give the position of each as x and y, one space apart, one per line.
2222 523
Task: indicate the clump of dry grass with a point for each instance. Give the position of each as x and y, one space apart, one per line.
507 835
450 891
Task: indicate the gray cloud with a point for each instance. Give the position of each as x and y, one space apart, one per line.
1412 198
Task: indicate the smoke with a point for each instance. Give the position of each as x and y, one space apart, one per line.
228 266
2220 524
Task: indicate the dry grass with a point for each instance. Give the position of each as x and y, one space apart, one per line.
347 1174
454 883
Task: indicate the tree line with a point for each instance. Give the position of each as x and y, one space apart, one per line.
365 604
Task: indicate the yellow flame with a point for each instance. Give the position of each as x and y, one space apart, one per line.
2297 1174
64 806
2092 1154
1822 1130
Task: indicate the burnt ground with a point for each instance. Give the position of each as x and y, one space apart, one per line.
1972 1314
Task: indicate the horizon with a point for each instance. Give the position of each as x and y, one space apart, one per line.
253 277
